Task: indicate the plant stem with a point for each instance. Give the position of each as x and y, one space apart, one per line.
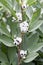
19 55
19 47
22 10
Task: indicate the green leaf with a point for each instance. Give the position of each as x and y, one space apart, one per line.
37 47
15 30
7 5
4 48
6 40
42 4
31 63
12 55
30 2
37 4
35 16
3 29
3 57
41 28
29 12
4 63
31 57
15 62
29 42
17 1
40 33
35 23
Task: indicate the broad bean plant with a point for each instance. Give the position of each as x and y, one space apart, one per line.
21 31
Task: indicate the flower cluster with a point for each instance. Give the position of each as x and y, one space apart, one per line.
4 19
24 26
17 41
23 54
19 16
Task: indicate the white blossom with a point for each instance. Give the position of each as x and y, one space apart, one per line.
24 26
17 40
41 10
8 28
19 16
13 19
41 1
34 9
23 54
24 6
4 19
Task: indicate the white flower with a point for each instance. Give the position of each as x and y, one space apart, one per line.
23 54
8 28
19 16
41 10
34 9
24 6
24 26
13 19
4 19
17 40
41 1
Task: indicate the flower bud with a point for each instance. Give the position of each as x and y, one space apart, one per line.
41 11
8 28
13 19
4 19
24 6
19 16
17 40
23 54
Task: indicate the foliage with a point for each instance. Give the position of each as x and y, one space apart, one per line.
21 28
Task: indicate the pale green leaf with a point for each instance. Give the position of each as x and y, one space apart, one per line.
30 42
41 28
35 22
7 5
3 29
37 47
15 30
31 57
30 2
3 57
12 54
31 63
35 25
6 40
29 12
